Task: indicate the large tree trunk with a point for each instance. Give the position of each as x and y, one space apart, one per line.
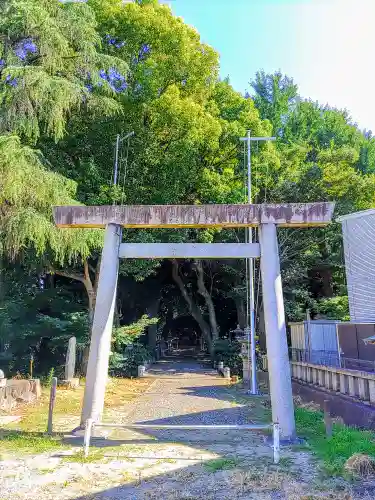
85 279
152 311
193 308
208 299
91 292
241 312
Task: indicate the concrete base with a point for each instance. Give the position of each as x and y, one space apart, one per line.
97 432
259 395
286 442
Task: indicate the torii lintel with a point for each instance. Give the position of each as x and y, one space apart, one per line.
174 216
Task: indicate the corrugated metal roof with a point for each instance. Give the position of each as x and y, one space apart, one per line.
355 215
359 250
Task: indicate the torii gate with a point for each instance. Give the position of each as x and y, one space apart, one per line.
266 216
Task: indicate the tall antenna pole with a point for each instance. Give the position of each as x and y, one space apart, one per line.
251 308
118 141
115 171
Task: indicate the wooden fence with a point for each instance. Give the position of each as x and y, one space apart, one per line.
353 383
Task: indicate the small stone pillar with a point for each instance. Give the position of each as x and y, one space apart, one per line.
352 391
363 389
3 380
343 389
335 382
226 372
371 386
327 379
141 371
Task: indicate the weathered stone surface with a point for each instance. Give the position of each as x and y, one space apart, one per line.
70 363
140 216
17 392
72 383
36 387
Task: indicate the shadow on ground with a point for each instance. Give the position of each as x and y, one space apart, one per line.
183 464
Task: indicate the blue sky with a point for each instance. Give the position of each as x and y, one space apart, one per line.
327 46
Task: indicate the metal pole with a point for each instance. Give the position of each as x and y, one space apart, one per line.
31 365
276 443
251 350
52 399
250 265
87 436
118 140
116 160
327 418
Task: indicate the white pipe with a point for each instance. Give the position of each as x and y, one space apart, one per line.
87 436
276 443
186 427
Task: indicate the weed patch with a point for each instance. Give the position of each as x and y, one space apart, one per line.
79 457
220 464
22 442
335 450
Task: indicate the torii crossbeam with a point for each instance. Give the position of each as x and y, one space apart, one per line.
266 217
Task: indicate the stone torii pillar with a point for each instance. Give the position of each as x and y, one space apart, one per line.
199 216
100 346
276 340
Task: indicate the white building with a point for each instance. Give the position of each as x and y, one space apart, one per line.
359 247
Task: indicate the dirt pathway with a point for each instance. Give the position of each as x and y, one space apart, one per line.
172 464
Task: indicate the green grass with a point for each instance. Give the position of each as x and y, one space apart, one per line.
79 457
220 464
22 442
335 450
285 462
46 470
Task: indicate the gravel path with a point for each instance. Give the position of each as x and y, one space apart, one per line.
186 393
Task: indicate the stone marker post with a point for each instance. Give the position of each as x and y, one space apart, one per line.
3 380
70 360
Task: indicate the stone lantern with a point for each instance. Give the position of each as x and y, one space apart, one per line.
237 334
245 354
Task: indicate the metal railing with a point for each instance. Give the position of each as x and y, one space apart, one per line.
331 358
90 424
357 384
358 364
326 358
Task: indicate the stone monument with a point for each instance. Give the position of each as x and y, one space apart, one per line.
70 362
70 365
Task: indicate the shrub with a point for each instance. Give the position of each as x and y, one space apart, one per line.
229 352
126 364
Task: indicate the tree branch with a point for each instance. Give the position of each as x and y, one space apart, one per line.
72 276
86 270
